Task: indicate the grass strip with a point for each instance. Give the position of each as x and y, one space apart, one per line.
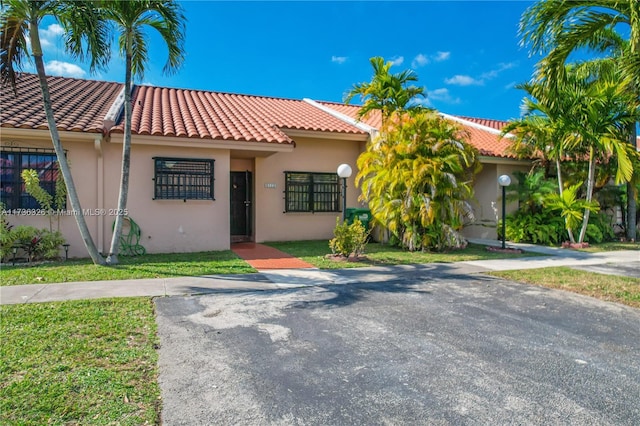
131 267
314 253
79 362
612 288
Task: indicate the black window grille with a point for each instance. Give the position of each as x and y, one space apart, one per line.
12 162
183 179
311 192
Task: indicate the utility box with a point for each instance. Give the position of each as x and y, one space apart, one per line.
363 215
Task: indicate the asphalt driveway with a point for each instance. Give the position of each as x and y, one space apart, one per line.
446 350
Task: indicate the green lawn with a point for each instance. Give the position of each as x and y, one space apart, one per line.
314 253
79 362
606 287
147 266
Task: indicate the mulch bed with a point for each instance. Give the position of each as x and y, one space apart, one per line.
341 258
504 250
570 245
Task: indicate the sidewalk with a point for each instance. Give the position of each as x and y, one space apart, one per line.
293 278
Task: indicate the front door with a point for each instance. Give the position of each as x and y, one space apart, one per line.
240 206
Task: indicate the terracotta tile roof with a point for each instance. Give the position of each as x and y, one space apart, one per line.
79 105
374 119
484 133
212 115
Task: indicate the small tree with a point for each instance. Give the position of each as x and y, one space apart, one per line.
417 179
51 204
350 239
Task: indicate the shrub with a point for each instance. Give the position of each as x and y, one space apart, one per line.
350 239
36 244
544 227
599 229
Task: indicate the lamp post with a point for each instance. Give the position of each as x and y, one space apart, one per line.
14 250
66 251
504 181
344 171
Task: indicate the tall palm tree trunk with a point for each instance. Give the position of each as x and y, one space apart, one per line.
631 196
57 145
590 184
572 239
126 165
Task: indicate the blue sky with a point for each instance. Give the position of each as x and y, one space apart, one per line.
465 53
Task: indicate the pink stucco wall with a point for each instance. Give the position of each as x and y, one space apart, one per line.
310 155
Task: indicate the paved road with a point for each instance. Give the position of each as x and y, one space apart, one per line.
446 351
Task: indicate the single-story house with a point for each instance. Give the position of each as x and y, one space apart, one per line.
207 168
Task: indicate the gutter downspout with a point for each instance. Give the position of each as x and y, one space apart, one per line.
107 123
97 144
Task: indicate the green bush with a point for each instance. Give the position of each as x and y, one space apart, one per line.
545 228
349 239
599 229
35 244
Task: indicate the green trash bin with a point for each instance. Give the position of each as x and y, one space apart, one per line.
363 215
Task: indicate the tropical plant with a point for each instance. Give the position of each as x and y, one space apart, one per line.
559 28
581 115
50 204
543 227
35 244
571 207
350 239
85 36
530 190
386 92
417 179
130 18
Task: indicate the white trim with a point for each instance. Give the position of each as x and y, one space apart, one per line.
203 143
475 125
486 159
340 116
43 134
319 134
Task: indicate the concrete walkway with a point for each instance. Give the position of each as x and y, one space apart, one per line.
629 262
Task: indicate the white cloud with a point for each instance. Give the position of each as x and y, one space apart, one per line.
339 59
397 60
463 80
419 61
65 69
49 35
501 67
441 56
442 95
51 31
511 85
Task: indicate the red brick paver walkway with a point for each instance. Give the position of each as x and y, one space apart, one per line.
264 257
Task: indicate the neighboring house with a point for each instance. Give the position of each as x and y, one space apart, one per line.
207 168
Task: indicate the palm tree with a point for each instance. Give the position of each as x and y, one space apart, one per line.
581 114
561 27
130 19
85 36
386 92
542 130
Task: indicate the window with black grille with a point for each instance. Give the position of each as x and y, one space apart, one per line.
183 179
311 192
12 162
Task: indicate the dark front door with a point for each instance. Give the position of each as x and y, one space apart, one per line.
241 204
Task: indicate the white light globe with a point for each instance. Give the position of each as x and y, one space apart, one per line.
344 171
504 180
